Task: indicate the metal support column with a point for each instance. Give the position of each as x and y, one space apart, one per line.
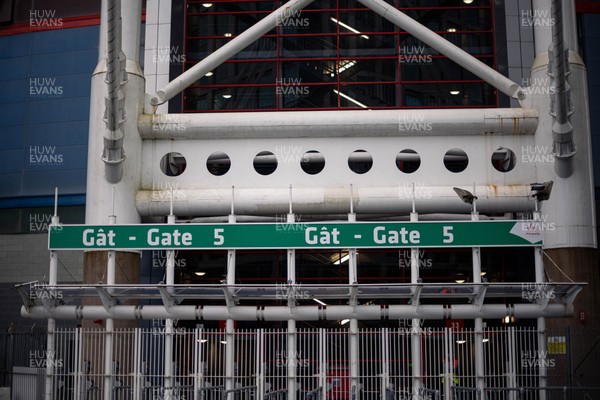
170 281
540 278
229 324
415 332
479 354
353 334
52 280
108 338
292 294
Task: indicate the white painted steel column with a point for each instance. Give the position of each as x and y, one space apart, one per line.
260 364
98 188
230 324
291 325
353 324
170 281
110 325
323 364
385 362
415 332
542 35
52 280
479 353
540 278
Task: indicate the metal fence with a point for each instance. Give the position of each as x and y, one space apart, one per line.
265 367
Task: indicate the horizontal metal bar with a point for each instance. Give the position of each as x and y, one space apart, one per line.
300 313
367 200
356 123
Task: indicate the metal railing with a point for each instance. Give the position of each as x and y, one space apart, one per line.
322 365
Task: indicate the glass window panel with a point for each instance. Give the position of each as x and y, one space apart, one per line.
427 68
439 95
368 70
221 24
476 44
230 7
355 45
309 46
315 96
231 73
366 96
463 19
352 21
265 47
237 98
308 71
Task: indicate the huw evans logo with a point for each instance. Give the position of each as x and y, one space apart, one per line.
413 123
291 19
162 191
414 55
416 191
284 291
159 259
533 292
537 19
293 154
291 87
44 359
540 86
45 88
423 262
536 359
39 223
537 154
44 155
166 54
44 19
167 122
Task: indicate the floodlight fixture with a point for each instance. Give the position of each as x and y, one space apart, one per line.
465 195
541 191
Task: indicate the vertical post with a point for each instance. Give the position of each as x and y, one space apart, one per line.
479 356
137 364
415 332
230 324
108 339
52 280
385 362
353 333
541 321
170 280
291 326
260 363
322 364
448 365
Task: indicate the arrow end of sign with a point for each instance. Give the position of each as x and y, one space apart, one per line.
528 230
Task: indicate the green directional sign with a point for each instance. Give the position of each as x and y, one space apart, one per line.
296 235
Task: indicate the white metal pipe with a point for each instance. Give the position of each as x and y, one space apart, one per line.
168 361
291 363
355 123
353 355
445 47
52 281
229 323
300 313
540 278
369 200
479 354
108 337
227 51
416 322
542 36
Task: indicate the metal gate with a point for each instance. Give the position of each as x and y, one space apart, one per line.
265 367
